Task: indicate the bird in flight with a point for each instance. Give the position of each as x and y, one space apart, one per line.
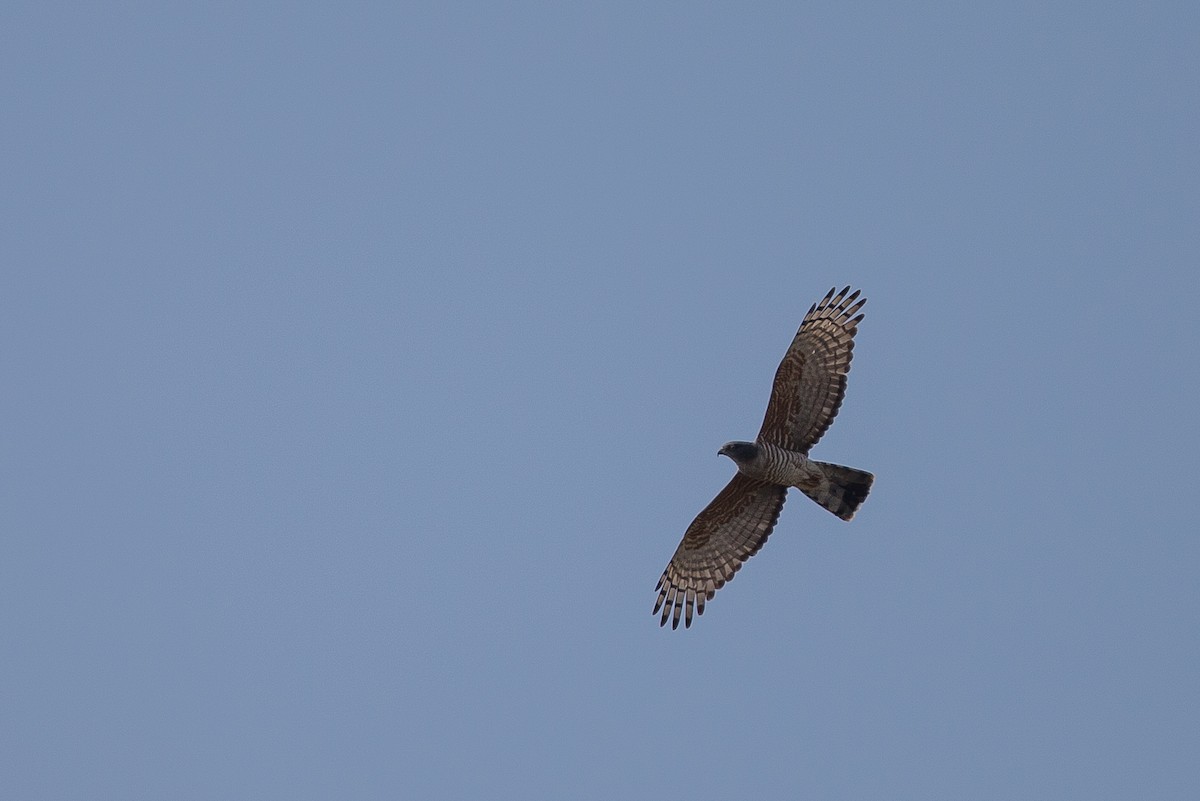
808 390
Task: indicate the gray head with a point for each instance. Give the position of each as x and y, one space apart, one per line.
740 452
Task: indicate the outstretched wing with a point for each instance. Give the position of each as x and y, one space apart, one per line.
729 531
811 380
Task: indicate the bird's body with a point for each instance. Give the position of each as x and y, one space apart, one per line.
767 462
808 390
839 489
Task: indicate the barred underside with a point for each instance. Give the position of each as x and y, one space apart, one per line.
780 466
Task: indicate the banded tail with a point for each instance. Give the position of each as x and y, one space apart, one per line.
841 489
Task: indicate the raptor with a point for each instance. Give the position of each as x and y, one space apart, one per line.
805 397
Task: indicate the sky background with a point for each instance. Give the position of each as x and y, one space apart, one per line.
364 364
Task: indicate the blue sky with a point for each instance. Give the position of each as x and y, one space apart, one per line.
364 366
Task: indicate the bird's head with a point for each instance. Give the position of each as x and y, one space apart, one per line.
740 452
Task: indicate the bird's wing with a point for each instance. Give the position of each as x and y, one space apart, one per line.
811 380
729 531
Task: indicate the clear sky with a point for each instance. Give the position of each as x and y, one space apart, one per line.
364 364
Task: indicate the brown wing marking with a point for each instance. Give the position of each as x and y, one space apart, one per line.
811 380
729 531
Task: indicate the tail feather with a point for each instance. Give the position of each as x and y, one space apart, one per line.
842 489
